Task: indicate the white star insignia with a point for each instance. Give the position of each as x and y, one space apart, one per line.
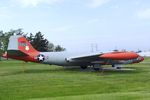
40 57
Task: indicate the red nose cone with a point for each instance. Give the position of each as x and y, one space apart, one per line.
120 55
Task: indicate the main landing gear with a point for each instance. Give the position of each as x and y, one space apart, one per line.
117 66
83 67
97 67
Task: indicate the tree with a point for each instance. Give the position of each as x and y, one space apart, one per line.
51 47
0 54
39 43
17 31
4 37
58 48
30 37
1 33
1 50
1 44
2 40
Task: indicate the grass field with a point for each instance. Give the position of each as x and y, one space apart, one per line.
29 81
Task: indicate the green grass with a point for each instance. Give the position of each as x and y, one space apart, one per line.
106 96
31 81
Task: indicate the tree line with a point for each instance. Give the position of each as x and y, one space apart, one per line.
37 41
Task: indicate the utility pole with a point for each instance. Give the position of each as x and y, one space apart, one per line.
94 47
92 50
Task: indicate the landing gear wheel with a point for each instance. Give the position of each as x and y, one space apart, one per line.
83 67
118 67
113 65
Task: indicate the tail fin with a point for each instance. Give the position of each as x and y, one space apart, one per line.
19 46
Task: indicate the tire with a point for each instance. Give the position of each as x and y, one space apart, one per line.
113 65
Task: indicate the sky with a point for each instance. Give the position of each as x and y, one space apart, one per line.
80 25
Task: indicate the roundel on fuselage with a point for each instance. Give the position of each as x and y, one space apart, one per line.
40 57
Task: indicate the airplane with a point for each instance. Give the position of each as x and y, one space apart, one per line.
21 49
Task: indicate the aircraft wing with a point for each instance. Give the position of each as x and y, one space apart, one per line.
89 57
107 56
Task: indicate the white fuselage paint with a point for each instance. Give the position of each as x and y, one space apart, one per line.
60 58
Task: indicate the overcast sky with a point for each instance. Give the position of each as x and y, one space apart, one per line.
77 24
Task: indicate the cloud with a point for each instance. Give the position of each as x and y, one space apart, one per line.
97 3
34 3
144 14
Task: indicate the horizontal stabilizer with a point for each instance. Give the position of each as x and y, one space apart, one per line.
16 53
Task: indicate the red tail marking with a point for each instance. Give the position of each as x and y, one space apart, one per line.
26 47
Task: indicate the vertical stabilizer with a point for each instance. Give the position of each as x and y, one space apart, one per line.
19 45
